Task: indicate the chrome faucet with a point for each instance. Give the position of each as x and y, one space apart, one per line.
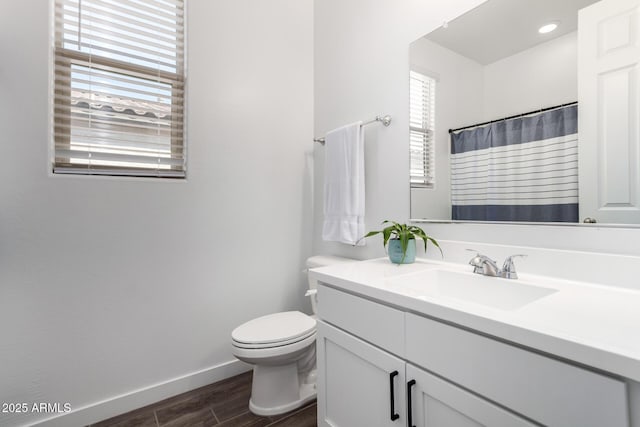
484 265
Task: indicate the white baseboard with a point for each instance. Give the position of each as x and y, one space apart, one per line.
145 396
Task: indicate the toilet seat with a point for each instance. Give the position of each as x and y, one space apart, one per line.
274 330
264 355
274 344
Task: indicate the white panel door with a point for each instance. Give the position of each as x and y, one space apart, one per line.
438 403
356 382
608 94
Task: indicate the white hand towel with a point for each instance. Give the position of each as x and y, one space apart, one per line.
344 185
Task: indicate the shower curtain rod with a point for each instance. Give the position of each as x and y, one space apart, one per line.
386 120
514 117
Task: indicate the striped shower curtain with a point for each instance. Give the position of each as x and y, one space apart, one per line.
523 169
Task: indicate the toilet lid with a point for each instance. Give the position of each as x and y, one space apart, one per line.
274 328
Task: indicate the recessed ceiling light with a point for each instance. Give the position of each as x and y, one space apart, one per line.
547 28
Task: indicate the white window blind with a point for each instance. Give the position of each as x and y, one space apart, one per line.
119 87
422 99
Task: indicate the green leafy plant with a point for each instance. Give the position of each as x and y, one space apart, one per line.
404 233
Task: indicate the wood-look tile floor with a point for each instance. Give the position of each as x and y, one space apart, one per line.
222 404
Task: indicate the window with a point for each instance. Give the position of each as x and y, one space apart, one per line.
422 102
119 79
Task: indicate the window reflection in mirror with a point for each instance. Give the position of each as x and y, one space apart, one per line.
422 98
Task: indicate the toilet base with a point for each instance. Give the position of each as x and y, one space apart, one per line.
279 389
308 395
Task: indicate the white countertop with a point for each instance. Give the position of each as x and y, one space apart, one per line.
595 325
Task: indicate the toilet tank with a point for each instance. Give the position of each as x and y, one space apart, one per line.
321 261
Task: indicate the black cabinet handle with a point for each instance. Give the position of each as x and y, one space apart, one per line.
409 417
394 416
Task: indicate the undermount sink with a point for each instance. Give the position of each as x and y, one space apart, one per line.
504 294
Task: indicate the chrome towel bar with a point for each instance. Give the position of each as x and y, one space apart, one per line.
386 120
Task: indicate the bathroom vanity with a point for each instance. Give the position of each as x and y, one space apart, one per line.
432 344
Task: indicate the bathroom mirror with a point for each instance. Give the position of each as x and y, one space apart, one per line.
503 78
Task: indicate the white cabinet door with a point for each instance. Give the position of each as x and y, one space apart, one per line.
438 403
356 382
609 118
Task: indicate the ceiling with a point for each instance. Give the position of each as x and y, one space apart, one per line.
500 28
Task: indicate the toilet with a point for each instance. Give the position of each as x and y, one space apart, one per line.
282 348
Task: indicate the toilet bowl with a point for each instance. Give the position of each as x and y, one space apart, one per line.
282 348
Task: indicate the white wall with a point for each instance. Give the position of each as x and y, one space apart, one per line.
542 76
109 285
361 65
361 62
459 101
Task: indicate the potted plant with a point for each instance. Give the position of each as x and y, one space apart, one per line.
402 241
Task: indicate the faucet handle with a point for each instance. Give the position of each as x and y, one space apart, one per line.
481 262
476 261
479 256
509 267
